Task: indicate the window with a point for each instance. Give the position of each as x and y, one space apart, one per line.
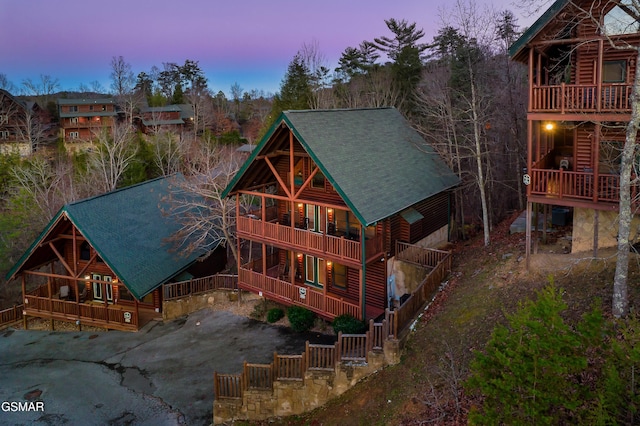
73 108
339 276
318 181
4 118
614 71
621 20
610 157
4 134
73 120
90 107
74 135
85 251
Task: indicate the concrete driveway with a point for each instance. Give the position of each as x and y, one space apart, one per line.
161 375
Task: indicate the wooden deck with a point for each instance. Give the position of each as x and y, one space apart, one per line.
582 98
117 317
315 243
293 294
588 188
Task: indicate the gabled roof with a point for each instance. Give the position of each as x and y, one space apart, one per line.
516 51
129 232
373 158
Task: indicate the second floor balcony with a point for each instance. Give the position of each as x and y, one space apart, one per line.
340 246
582 98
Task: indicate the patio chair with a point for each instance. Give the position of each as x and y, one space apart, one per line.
63 293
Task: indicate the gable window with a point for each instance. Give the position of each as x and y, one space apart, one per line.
318 180
85 251
614 71
621 19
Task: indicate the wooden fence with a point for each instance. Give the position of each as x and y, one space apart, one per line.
439 268
196 286
11 315
316 357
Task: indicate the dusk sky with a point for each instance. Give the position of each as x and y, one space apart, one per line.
250 42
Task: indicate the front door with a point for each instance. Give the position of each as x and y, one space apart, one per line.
102 290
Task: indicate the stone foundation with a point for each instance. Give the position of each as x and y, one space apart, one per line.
584 229
172 309
291 397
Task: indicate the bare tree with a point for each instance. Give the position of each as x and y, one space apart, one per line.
7 85
167 153
316 63
43 89
115 152
122 85
196 202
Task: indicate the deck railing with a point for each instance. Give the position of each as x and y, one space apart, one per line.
586 186
11 315
306 240
88 313
438 263
582 98
313 299
316 357
196 286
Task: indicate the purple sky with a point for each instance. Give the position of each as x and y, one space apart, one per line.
250 42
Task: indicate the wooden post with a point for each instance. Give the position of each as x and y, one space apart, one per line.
25 322
528 234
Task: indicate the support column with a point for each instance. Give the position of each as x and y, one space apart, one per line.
528 234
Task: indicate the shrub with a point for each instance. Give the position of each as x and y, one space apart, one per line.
274 315
348 324
528 371
301 319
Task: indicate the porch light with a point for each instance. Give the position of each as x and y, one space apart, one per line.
549 126
299 255
300 205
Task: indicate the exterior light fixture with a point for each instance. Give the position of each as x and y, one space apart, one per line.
549 126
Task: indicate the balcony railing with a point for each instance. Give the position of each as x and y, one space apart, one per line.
110 316
310 298
309 241
576 98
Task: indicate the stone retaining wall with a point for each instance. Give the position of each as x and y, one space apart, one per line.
291 397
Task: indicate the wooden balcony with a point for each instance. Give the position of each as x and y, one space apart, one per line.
293 294
579 188
315 243
582 98
116 317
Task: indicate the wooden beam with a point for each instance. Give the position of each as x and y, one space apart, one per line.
61 259
278 178
306 183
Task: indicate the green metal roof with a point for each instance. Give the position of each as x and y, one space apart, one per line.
516 48
129 231
373 158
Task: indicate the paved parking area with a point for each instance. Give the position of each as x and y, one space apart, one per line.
161 375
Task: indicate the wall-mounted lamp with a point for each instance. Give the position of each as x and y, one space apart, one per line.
549 126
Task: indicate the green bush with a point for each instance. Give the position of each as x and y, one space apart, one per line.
274 315
301 319
348 324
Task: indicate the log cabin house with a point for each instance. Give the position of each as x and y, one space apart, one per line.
169 118
80 119
580 94
330 194
103 261
23 125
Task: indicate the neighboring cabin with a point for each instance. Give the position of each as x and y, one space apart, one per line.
24 125
334 191
173 118
80 119
579 104
103 260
